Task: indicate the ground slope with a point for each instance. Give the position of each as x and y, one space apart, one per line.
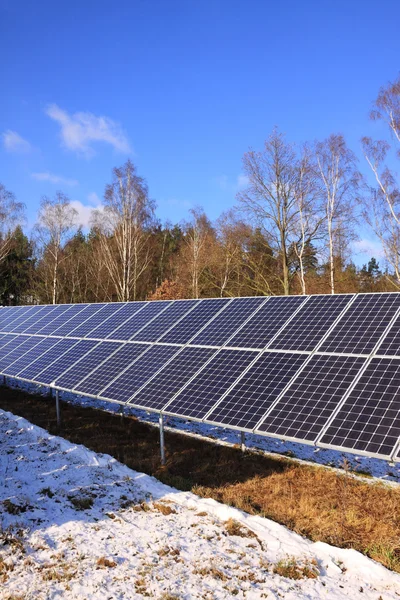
79 525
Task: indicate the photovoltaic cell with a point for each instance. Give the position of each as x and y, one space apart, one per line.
261 328
9 347
171 378
105 311
43 344
390 345
139 320
311 323
226 323
369 420
164 321
66 360
52 313
110 369
6 339
9 314
202 393
135 376
12 326
20 314
79 318
34 315
16 353
46 359
86 365
62 319
306 406
254 394
194 321
360 328
127 311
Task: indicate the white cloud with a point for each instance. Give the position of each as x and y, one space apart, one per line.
94 199
13 142
225 184
80 130
84 212
51 178
369 247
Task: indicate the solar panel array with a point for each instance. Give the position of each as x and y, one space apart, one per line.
321 370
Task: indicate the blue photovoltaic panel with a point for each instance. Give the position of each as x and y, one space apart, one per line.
17 352
311 323
34 321
6 339
229 321
43 344
135 323
369 420
87 312
16 313
66 360
164 321
8 314
171 378
46 359
52 313
21 318
255 392
127 311
390 345
309 402
99 318
360 328
110 369
62 319
261 328
194 321
86 365
202 393
34 315
9 346
135 376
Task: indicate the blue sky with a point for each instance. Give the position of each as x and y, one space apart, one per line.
182 87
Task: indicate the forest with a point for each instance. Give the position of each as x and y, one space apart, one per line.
291 230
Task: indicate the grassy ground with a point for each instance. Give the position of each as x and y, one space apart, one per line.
315 502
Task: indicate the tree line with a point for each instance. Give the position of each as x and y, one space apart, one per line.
290 232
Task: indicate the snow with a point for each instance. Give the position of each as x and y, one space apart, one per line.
91 528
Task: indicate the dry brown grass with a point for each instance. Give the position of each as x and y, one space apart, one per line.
318 503
292 568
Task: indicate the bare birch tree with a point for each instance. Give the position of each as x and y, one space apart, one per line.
124 227
382 206
11 214
340 179
194 256
56 224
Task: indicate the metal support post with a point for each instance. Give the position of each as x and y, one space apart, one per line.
162 446
242 441
58 409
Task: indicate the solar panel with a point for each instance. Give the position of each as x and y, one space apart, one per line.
124 314
164 321
61 320
52 313
86 365
390 345
46 359
135 376
261 328
9 314
311 323
194 321
42 345
66 360
202 393
13 325
6 339
18 313
306 406
9 347
107 371
139 320
360 328
254 393
101 316
35 315
369 420
159 390
16 353
229 321
80 317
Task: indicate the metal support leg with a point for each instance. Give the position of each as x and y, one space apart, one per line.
121 411
58 409
242 441
162 446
